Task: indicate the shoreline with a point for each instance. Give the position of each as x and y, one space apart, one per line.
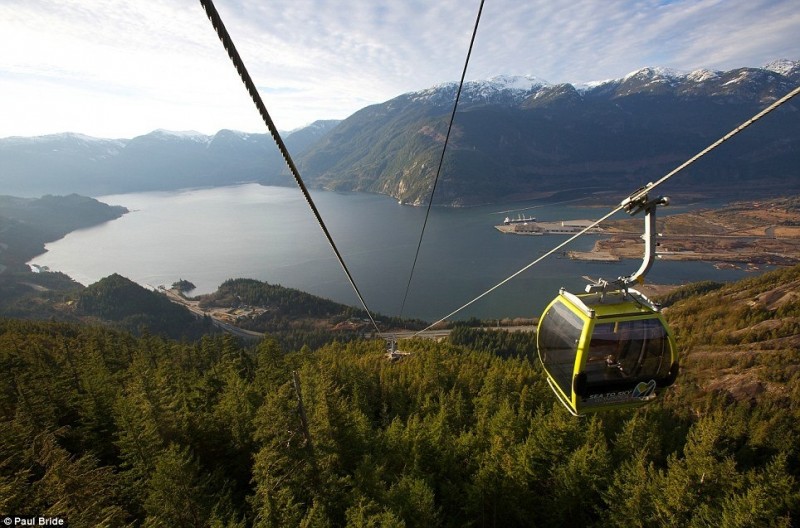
742 235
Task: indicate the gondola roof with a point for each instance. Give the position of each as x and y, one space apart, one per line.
611 304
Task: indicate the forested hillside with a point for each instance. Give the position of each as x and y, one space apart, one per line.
26 224
295 317
287 301
125 304
742 343
103 428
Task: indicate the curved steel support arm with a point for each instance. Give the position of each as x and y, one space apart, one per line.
634 204
650 240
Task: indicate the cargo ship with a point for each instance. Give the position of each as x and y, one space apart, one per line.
520 219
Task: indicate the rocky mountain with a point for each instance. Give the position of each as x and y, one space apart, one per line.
522 137
513 138
161 160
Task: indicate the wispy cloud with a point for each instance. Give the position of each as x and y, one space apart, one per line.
583 41
116 68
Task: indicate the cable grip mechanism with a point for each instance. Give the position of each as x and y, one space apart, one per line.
634 204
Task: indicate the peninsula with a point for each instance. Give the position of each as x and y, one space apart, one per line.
742 234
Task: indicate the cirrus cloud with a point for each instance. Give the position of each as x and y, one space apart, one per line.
115 68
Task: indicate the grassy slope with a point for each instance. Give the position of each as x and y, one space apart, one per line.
741 341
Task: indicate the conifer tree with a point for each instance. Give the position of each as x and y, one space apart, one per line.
630 496
177 492
76 489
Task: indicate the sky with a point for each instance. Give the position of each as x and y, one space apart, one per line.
122 68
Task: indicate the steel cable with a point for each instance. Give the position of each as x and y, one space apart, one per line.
634 196
441 158
227 42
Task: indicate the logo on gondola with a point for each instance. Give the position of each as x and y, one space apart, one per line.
643 390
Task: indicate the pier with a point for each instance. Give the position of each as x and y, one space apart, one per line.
565 227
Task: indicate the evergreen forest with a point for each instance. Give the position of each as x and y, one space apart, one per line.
105 428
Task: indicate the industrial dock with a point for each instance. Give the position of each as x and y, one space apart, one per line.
530 227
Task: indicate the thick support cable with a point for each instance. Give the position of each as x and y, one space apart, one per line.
227 42
620 207
441 158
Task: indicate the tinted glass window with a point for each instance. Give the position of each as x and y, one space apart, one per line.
627 350
558 337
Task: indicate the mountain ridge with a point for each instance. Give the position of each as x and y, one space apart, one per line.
559 137
70 162
514 137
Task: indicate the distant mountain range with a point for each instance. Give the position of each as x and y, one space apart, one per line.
522 137
161 160
513 138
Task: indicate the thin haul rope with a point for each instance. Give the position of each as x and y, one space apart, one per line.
619 208
227 42
441 159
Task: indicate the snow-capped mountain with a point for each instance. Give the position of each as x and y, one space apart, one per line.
502 89
748 83
514 136
524 136
513 90
785 67
186 135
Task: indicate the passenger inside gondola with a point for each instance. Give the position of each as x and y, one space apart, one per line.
626 350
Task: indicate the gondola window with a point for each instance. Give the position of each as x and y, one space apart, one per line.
558 340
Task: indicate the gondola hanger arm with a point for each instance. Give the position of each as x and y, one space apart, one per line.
634 204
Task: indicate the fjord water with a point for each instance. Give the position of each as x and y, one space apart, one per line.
268 233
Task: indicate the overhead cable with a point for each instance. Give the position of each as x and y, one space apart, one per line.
227 42
620 207
441 158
